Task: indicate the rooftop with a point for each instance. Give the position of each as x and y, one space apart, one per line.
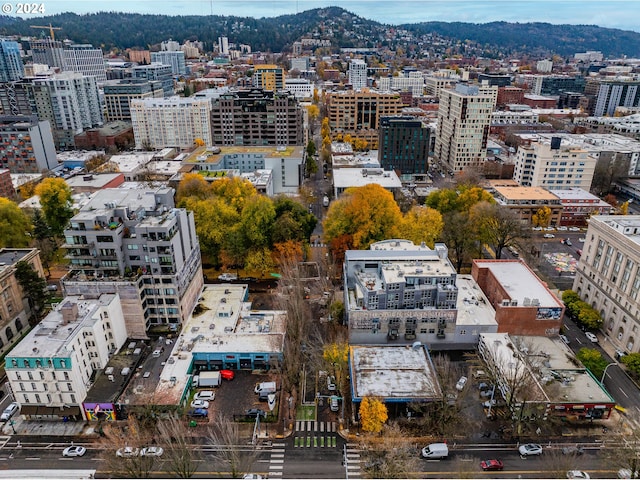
11 256
524 193
358 177
520 283
393 373
216 154
473 306
131 161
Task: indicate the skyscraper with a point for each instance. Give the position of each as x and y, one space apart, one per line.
87 60
403 144
11 68
357 73
464 117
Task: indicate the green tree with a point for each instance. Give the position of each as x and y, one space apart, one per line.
589 317
593 360
632 361
299 213
260 260
311 148
312 166
15 226
45 240
257 220
497 226
33 287
55 199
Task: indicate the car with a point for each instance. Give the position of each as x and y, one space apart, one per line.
568 242
490 403
10 411
127 452
74 451
252 476
331 383
487 393
578 474
200 404
620 354
227 374
537 229
484 386
491 465
52 288
572 450
562 229
591 337
549 235
529 449
151 452
256 412
461 383
574 229
333 403
208 395
198 413
549 229
581 239
564 338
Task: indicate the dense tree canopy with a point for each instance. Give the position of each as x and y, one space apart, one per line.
55 200
15 225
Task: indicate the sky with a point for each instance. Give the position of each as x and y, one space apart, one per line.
623 14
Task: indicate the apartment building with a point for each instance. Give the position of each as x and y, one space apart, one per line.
48 52
70 102
397 293
175 59
464 118
15 309
53 367
357 73
608 276
578 206
551 85
118 96
156 71
403 145
300 87
285 164
550 164
137 244
87 60
526 201
26 144
358 113
171 122
268 77
11 67
604 95
255 117
6 185
412 82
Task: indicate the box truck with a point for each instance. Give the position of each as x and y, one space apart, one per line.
207 379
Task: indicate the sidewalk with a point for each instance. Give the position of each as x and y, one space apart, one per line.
19 426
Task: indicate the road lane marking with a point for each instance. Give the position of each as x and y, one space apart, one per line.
623 392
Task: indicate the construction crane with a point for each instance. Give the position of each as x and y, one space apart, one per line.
48 27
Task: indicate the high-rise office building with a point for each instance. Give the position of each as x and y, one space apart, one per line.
118 96
608 94
357 73
464 117
87 60
256 117
171 122
403 145
223 45
156 71
11 67
172 58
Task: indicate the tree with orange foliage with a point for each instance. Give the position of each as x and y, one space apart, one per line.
373 414
193 185
286 253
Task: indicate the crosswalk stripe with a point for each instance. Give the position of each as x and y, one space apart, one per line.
274 474
321 427
276 467
279 444
277 460
277 455
298 422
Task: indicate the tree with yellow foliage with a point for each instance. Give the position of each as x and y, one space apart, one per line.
373 414
193 185
337 355
55 200
313 112
199 142
422 224
542 217
624 208
325 130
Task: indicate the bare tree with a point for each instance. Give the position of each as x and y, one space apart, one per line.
497 225
393 456
182 459
230 451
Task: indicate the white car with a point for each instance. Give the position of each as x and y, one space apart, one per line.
549 235
75 451
537 229
151 452
10 411
461 383
581 239
591 337
331 383
562 229
529 449
200 404
578 474
127 452
490 403
208 395
574 229
564 338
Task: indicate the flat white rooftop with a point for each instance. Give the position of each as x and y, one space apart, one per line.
359 177
520 282
393 373
473 306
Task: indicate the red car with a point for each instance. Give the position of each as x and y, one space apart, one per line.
491 465
227 374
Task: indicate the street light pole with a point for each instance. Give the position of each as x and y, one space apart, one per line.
604 374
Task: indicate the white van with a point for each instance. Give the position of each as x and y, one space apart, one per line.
436 451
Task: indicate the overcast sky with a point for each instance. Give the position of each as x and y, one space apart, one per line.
623 14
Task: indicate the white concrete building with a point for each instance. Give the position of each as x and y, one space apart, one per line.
608 276
464 117
50 370
87 60
548 163
174 59
414 82
171 122
300 87
344 178
544 66
357 73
